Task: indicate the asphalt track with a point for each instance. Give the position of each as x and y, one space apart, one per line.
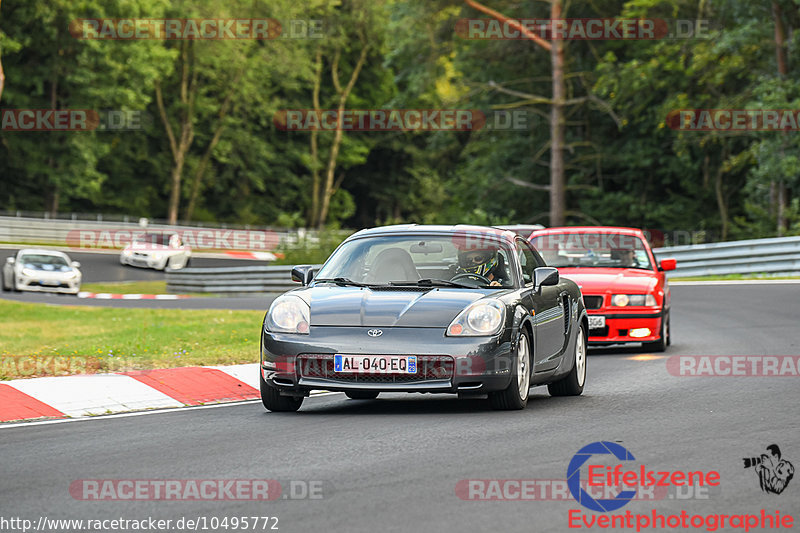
393 464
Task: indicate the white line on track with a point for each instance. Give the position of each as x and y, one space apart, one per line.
139 413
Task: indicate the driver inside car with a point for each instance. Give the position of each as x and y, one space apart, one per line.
486 263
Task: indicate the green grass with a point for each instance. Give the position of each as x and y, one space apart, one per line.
38 339
127 287
733 277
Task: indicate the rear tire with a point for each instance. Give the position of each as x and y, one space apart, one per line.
572 384
273 401
361 394
515 397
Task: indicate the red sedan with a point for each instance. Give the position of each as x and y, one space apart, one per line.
625 290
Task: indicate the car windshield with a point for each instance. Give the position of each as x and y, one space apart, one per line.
153 238
428 260
44 261
592 250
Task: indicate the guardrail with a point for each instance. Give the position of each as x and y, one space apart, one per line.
779 256
270 279
776 256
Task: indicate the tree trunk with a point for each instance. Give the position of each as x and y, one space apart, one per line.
783 70
558 201
721 205
328 188
179 148
313 215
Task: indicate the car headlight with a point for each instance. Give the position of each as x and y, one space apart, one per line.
157 256
71 274
127 253
623 300
288 314
484 317
28 272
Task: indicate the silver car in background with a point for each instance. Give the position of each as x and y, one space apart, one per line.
43 271
158 251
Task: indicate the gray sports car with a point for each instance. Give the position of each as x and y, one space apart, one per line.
436 309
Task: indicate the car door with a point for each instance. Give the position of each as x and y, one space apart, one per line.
547 306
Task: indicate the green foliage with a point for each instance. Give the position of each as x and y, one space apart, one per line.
624 164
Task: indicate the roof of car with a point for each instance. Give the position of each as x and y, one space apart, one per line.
434 229
590 229
42 251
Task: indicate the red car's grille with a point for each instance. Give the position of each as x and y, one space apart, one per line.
428 367
593 302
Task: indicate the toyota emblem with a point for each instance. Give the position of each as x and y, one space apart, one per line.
375 333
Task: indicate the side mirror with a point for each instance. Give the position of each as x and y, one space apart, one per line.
302 274
10 260
544 276
76 264
667 264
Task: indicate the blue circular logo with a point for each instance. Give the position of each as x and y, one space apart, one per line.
574 476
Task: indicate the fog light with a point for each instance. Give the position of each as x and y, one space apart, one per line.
639 332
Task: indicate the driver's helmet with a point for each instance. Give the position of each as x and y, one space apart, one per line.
479 262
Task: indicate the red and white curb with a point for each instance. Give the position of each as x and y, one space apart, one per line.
98 394
109 296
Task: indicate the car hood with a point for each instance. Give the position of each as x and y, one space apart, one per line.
611 280
356 306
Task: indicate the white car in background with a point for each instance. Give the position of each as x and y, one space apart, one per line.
41 270
158 251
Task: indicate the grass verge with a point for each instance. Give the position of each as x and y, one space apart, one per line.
45 340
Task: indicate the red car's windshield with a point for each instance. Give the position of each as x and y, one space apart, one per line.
593 250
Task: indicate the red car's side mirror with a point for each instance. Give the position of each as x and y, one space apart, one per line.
667 264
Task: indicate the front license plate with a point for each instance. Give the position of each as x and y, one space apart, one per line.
597 322
49 282
375 364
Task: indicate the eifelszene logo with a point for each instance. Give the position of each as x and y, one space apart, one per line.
601 475
774 473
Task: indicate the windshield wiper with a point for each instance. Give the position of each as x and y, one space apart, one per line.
343 282
428 282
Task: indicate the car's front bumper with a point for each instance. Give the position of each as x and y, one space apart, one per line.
467 365
143 261
619 326
33 284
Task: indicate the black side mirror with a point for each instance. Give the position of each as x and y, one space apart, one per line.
543 276
302 274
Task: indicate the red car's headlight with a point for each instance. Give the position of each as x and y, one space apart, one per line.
625 300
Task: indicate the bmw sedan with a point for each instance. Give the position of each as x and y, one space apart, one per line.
428 309
624 288
42 271
158 251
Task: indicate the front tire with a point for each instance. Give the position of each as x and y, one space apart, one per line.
361 394
273 401
572 384
661 344
515 397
